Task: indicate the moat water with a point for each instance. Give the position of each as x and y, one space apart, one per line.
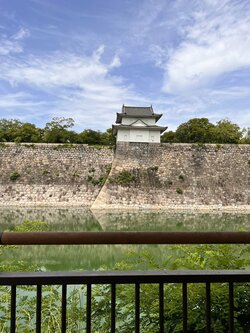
80 257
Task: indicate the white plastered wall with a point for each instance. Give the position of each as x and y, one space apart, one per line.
138 135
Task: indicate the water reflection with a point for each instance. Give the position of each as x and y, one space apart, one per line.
93 257
76 219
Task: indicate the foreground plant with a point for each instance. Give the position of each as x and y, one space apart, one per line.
200 257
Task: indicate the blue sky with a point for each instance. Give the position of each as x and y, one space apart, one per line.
84 59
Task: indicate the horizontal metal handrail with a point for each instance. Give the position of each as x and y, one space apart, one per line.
140 237
124 277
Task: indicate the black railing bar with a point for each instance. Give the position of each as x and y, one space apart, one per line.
38 308
13 309
184 307
124 277
64 309
208 307
137 307
113 307
161 307
231 307
128 237
88 308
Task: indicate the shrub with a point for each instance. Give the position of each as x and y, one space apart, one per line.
124 177
102 179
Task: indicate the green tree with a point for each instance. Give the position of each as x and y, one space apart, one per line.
57 130
195 130
107 138
169 136
9 129
226 132
246 136
28 133
90 137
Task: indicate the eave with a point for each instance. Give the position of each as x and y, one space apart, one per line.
120 115
151 128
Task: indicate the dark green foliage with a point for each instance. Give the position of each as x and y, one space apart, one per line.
169 137
107 138
246 136
185 257
195 130
226 132
90 137
59 130
13 130
153 168
124 177
200 130
14 176
181 177
179 190
100 181
64 146
209 257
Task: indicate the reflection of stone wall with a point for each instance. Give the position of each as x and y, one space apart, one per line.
177 175
52 174
58 219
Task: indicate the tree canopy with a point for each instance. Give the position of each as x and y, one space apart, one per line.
200 130
60 130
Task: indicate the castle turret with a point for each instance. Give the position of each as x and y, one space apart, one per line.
137 124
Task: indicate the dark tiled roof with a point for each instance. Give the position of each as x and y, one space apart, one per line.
137 111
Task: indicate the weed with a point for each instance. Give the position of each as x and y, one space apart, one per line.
29 145
64 145
102 179
14 176
89 178
199 145
218 146
181 177
168 183
179 190
75 174
153 168
124 177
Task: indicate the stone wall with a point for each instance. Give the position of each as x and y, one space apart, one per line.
52 174
143 176
177 176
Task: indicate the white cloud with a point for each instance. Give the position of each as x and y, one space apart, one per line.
215 43
15 100
11 45
81 87
21 34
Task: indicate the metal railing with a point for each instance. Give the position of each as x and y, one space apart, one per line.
136 278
